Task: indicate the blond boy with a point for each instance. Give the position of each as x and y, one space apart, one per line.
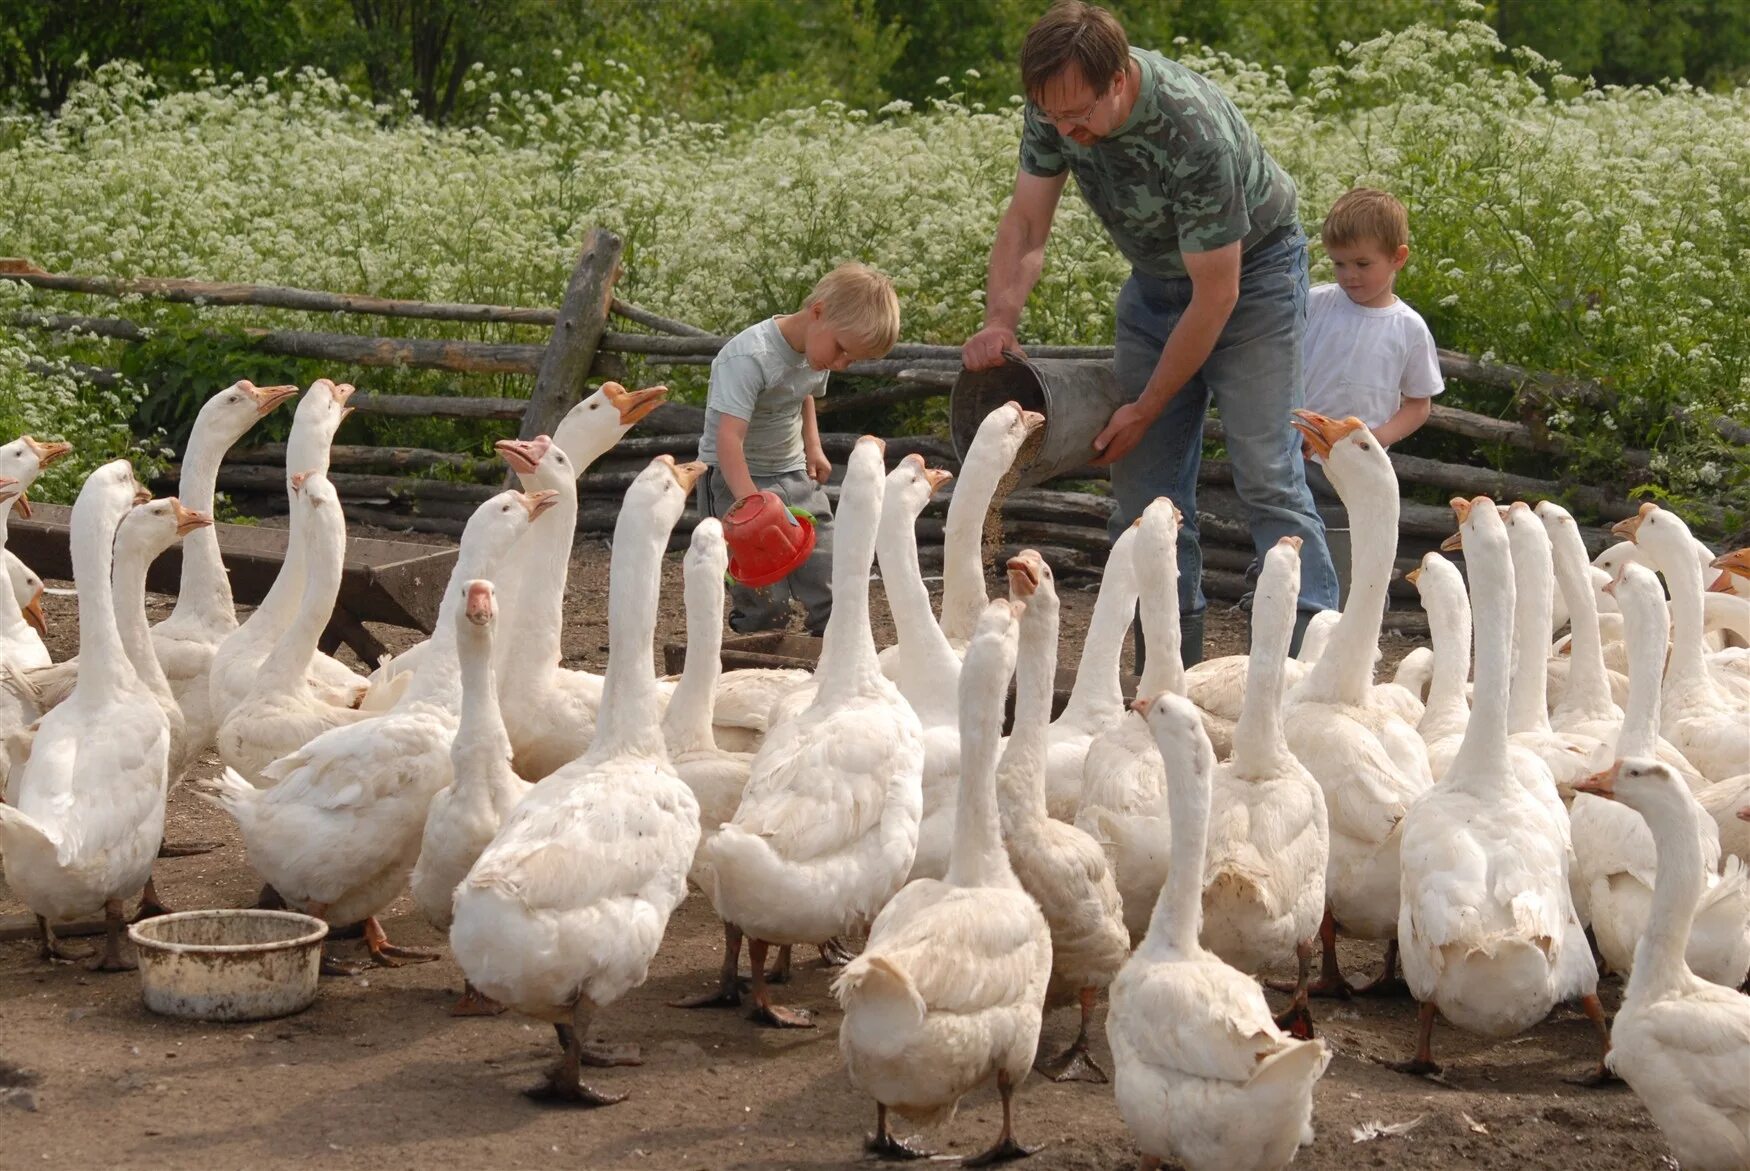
760 430
1365 352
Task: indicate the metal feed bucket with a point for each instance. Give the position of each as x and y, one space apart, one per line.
1077 398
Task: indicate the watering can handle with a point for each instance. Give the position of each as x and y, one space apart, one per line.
1014 358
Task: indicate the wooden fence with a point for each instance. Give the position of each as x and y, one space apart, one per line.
412 488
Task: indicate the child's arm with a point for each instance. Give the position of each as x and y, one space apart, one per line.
731 459
1412 412
819 467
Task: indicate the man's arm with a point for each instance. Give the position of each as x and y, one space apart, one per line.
1016 259
731 459
1215 289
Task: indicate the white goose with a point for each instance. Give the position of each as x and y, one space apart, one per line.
1707 723
239 655
588 431
926 668
1061 866
282 711
20 705
144 533
1570 757
1725 802
1486 929
1679 1041
1096 701
340 829
716 777
465 814
549 710
827 827
564 911
1586 706
951 987
28 588
995 446
86 810
1447 709
1121 776
23 460
1269 834
1613 846
1361 757
1202 1074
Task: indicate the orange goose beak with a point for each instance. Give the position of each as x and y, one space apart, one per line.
633 405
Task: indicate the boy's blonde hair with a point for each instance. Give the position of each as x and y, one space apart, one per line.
859 302
1367 216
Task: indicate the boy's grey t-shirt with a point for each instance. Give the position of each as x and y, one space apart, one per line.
1184 173
759 378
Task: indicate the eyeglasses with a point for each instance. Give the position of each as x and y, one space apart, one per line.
1078 118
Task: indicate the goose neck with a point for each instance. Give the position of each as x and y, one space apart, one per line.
1021 773
1096 690
1481 760
132 560
848 665
1688 653
104 667
1449 627
977 856
1588 683
1528 694
1660 961
205 589
687 721
626 724
1646 624
11 620
1163 667
538 567
917 634
1344 671
271 617
1259 746
286 668
963 593
1178 912
480 732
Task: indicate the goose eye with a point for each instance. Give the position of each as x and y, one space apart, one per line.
595 406
1366 447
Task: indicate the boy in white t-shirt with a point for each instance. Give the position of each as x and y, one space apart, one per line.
1366 353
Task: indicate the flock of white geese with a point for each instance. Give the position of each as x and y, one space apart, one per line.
1476 814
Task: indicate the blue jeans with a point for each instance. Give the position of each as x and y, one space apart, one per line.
1254 378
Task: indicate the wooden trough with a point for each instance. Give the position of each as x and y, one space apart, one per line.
779 649
398 583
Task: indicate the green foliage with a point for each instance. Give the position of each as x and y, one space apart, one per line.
186 359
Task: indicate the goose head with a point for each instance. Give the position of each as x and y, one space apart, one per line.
1733 564
1660 535
228 415
23 460
661 491
108 492
1279 581
481 605
592 427
1529 540
1002 434
1031 581
154 526
990 656
910 485
865 467
540 462
1178 730
1649 787
1636 592
28 585
1355 461
1157 538
315 421
707 558
496 524
1436 578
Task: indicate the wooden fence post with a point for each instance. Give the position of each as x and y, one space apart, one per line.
583 318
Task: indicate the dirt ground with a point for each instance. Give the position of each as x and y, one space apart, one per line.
376 1074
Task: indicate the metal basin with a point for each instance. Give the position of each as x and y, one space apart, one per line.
229 965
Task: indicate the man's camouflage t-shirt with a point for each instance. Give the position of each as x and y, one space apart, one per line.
1184 173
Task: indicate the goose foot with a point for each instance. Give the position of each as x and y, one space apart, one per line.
186 849
1297 1022
1005 1149
475 1003
836 953
1600 1076
883 1145
764 1011
112 959
1330 985
1075 1064
1416 1066
1388 982
53 951
564 1083
385 954
151 906
334 967
728 993
1423 1063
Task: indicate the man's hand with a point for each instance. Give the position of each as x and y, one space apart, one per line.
819 467
984 349
1123 431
